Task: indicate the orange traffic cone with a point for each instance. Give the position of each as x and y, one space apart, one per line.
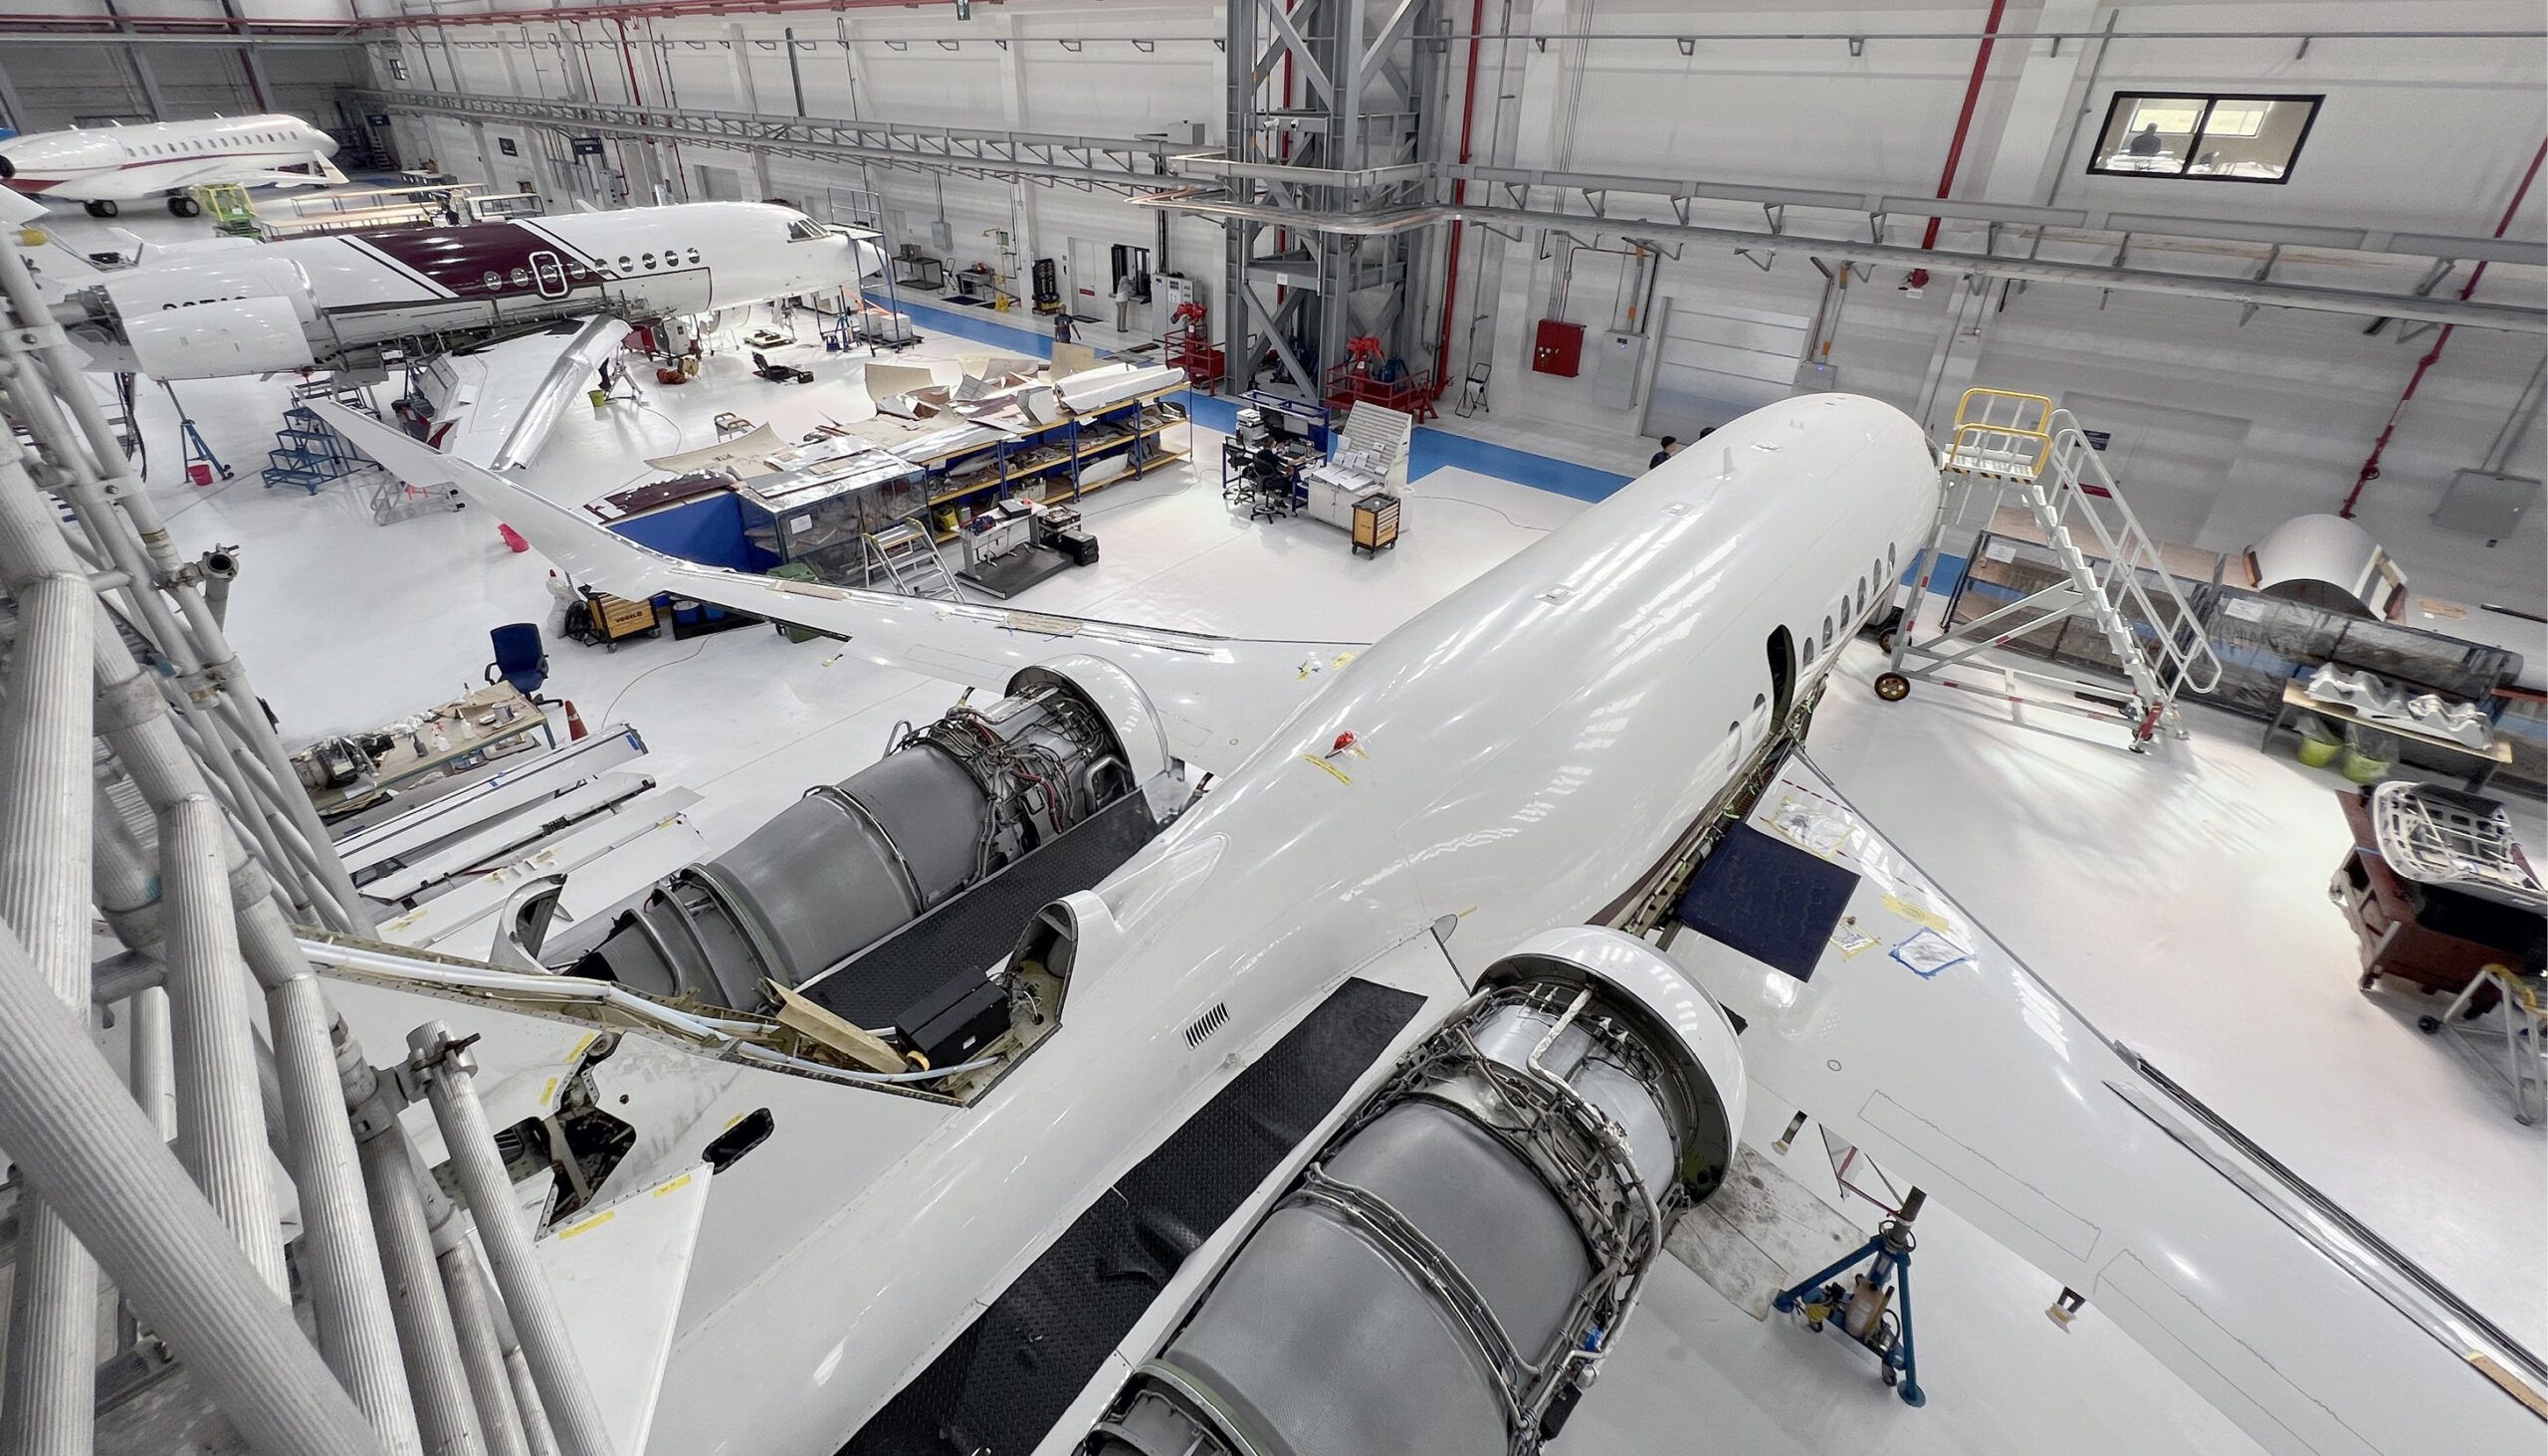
575 722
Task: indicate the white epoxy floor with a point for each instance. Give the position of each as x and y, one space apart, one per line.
2177 900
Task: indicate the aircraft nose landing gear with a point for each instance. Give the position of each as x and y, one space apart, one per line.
101 208
183 206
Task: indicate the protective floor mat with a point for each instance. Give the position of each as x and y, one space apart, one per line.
1003 1383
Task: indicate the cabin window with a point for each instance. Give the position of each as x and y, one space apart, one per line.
1862 594
1826 634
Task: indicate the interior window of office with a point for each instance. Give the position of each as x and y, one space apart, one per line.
2204 137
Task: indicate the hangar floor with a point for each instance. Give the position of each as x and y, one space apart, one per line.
2177 900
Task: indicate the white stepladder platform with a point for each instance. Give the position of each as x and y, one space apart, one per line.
2007 444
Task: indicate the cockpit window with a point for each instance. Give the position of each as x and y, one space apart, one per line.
805 230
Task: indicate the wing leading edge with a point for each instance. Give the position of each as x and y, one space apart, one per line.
1966 1073
1220 697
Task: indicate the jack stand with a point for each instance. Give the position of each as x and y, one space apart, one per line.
200 464
1860 1305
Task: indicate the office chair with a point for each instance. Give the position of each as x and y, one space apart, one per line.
520 657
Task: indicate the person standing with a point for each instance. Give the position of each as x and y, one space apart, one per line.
2146 142
1063 330
1671 447
1123 302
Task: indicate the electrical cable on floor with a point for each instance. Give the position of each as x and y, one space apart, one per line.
1481 505
613 707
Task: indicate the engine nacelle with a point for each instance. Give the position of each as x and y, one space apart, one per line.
206 316
951 804
1448 1274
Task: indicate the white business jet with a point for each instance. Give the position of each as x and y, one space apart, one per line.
351 302
101 167
1336 1104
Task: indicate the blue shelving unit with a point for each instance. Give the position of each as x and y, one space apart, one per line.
1058 455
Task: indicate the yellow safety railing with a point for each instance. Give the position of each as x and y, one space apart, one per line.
2001 433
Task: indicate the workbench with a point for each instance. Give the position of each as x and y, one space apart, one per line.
475 723
2297 699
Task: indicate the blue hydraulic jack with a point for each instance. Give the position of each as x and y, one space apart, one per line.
1874 1308
202 467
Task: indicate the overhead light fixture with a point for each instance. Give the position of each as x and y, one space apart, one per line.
1689 45
1857 45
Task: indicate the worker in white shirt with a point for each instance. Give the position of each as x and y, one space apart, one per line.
1123 302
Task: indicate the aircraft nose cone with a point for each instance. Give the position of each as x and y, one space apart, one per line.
8 169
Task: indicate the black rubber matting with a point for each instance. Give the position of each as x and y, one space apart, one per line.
1001 1386
1768 898
970 934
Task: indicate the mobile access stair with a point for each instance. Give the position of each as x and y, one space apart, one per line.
307 452
905 555
2004 445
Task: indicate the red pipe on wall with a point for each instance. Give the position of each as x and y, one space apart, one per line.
2371 464
1963 127
1459 194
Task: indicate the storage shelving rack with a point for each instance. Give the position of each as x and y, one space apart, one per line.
1058 455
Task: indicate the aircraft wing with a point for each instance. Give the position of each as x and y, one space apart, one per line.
506 397
1218 696
1936 1051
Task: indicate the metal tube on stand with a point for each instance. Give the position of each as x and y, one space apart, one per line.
45 810
445 1412
100 1165
221 1126
473 1318
470 1144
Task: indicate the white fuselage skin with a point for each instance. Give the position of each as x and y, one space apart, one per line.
124 164
356 290
1529 749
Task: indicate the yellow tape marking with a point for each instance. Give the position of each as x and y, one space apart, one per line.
675 1186
1919 914
1322 764
548 1092
593 1222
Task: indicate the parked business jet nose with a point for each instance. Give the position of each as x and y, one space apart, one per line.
8 169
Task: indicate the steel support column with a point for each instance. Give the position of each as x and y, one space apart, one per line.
1342 86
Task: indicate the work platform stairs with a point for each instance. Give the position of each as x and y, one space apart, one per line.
907 556
2004 444
307 452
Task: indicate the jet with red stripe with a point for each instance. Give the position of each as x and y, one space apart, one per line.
340 300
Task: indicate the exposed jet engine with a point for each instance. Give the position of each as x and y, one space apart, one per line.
950 805
1447 1277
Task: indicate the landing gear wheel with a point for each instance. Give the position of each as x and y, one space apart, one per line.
184 206
1884 640
2429 1025
1892 687
101 208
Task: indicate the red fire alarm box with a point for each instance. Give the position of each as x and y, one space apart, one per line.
1559 349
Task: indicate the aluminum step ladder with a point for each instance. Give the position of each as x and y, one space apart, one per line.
907 556
2004 444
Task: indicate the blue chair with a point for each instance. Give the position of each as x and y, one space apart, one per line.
520 657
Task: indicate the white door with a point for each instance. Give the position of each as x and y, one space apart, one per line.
1714 361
